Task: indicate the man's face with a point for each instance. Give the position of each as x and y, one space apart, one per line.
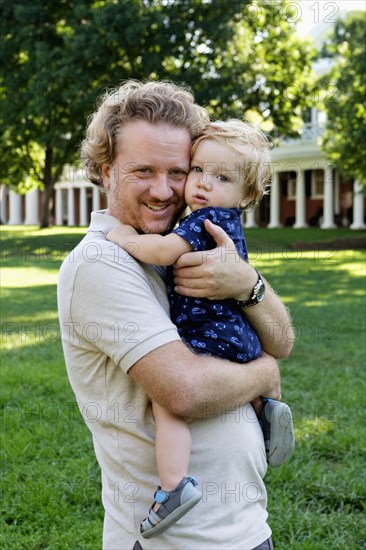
146 182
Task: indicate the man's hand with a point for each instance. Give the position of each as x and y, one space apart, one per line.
215 274
273 381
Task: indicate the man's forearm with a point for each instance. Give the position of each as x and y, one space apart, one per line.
185 383
271 320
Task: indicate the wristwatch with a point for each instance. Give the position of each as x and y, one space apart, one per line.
257 294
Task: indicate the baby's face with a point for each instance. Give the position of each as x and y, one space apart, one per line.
215 177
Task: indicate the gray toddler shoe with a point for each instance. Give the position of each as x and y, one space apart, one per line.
173 505
278 431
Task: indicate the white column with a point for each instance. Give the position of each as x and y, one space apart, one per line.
328 200
32 208
83 207
250 218
15 208
358 207
274 202
96 198
314 116
59 207
300 200
3 195
337 205
70 207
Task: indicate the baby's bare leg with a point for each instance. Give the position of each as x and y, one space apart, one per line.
178 493
173 447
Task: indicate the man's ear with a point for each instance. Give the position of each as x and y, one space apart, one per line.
106 175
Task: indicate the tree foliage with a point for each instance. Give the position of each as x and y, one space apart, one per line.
345 104
240 58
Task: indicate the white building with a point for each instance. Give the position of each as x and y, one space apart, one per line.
306 190
74 200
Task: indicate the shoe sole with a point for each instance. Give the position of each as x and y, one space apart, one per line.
173 517
282 436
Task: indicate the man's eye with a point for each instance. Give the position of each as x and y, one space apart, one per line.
178 174
143 170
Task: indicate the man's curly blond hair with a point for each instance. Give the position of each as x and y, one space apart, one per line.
154 102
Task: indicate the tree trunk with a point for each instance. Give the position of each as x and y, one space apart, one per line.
48 189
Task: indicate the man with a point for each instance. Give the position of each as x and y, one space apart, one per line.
122 350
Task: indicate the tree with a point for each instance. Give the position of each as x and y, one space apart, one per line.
239 58
253 62
50 81
345 105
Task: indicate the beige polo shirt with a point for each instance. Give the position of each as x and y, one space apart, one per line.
113 311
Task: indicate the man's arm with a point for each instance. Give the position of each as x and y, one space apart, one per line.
219 274
271 321
194 385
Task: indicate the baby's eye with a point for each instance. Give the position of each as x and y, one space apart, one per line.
221 177
196 169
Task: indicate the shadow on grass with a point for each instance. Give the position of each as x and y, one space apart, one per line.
45 251
23 303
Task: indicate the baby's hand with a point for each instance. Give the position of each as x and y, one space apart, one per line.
122 234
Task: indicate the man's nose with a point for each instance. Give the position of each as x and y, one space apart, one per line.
160 188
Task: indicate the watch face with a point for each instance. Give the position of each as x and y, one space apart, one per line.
257 296
260 291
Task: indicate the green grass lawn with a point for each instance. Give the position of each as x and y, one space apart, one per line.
50 484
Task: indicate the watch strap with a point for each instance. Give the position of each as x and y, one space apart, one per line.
257 294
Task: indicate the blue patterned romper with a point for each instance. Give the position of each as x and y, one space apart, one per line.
217 328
